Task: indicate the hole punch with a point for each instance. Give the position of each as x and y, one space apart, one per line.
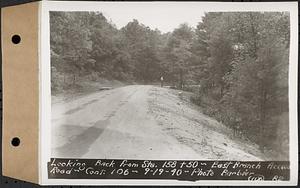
15 141
16 39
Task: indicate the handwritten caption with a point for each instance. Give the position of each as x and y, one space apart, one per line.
61 168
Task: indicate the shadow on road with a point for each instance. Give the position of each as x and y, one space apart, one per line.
80 107
79 144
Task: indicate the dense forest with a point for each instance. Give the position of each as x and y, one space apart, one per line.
235 63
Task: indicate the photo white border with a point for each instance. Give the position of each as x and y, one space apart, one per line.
45 89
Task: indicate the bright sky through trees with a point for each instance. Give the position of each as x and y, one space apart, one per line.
165 17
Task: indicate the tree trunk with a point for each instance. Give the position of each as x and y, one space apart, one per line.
254 36
221 90
181 79
262 115
74 78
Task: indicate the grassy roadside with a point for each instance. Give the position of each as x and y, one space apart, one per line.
210 107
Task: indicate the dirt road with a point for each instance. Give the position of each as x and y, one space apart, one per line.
141 122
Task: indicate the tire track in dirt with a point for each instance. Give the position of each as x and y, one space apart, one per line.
79 144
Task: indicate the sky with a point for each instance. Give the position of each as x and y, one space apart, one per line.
165 17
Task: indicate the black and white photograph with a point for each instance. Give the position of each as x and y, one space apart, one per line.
170 82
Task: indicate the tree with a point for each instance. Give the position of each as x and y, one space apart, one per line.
178 53
69 47
143 46
244 56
